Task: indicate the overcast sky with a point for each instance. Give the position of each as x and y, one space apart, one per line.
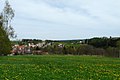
65 19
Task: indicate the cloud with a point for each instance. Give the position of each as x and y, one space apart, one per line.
64 19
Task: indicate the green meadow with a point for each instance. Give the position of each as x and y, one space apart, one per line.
59 67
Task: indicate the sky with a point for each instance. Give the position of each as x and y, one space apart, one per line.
65 19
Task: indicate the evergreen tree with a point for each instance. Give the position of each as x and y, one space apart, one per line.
5 44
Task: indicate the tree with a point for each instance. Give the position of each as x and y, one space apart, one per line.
6 31
7 16
5 44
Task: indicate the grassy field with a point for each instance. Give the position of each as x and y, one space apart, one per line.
54 67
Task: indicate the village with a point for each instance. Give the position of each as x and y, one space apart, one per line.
29 47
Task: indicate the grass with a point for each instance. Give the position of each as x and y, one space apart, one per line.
54 67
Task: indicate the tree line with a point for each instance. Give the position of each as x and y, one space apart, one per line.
101 46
